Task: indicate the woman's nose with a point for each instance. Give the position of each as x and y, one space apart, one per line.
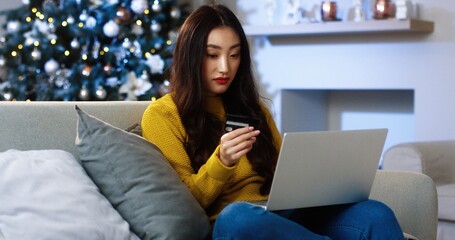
223 65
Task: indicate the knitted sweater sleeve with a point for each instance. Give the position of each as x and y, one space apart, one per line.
162 126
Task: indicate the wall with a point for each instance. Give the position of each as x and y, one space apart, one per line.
5 5
11 4
418 66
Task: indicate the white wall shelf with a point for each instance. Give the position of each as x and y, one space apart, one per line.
342 27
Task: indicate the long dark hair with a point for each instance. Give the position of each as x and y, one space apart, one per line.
204 130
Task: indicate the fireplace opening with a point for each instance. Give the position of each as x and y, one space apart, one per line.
329 109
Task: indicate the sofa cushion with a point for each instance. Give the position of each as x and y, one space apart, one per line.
46 194
139 182
446 202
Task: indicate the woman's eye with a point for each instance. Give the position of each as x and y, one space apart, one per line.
212 55
235 55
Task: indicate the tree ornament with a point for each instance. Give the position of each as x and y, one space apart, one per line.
28 40
112 81
2 61
84 94
165 88
135 86
155 26
26 2
52 27
111 29
137 49
175 13
36 54
42 26
172 35
13 26
86 71
83 17
70 20
75 43
96 49
137 30
145 75
156 6
101 93
91 22
155 63
111 2
108 69
51 66
123 15
8 96
139 6
98 2
61 81
126 43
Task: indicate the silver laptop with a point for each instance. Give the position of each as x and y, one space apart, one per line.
325 168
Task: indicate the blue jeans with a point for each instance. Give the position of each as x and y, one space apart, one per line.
369 219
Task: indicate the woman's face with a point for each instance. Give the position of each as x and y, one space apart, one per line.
221 60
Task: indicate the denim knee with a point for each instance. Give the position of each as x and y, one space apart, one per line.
381 220
237 219
240 213
376 210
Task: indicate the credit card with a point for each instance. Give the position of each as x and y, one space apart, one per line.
237 121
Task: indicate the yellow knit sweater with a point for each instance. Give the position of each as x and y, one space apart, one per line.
214 185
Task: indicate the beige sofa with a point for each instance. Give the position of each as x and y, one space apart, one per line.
437 160
51 125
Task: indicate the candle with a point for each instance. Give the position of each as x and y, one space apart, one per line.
382 9
328 11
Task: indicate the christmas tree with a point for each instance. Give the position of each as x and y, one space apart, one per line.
68 50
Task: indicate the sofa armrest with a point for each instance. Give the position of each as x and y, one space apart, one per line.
435 159
413 199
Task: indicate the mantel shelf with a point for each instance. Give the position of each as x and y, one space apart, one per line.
341 27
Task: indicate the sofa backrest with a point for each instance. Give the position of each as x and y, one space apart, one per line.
52 125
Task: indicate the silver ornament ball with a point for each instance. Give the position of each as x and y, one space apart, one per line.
111 29
156 7
84 94
75 43
101 93
8 96
175 13
155 27
51 66
36 54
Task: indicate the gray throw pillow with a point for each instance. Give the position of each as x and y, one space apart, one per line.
139 182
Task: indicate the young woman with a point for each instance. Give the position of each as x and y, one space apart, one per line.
211 76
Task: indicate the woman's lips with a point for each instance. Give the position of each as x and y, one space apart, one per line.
221 80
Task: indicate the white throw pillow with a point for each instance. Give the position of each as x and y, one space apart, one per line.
46 194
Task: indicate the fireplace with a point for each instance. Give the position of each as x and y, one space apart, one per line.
335 109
